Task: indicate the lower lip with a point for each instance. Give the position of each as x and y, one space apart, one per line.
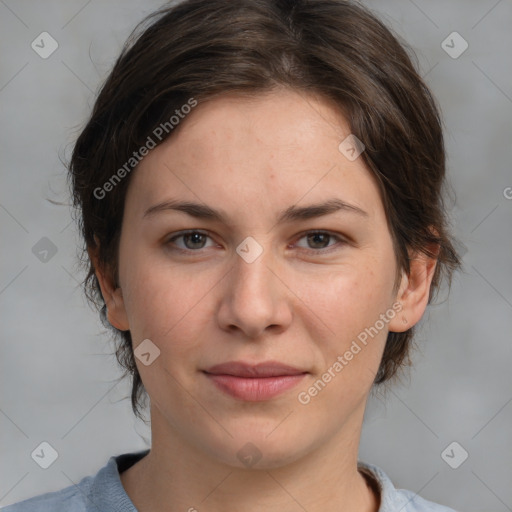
255 389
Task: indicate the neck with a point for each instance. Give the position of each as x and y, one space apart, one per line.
178 476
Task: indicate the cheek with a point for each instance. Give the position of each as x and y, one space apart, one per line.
350 302
350 305
164 302
351 299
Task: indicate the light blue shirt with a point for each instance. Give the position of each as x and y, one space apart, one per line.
104 492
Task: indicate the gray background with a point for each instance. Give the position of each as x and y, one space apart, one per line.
57 372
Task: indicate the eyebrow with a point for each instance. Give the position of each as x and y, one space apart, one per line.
293 213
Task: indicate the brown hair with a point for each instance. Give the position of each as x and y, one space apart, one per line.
333 48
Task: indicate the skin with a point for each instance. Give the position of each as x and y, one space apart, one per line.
301 302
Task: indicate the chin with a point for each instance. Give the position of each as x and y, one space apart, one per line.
256 449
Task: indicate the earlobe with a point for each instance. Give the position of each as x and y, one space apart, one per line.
414 292
112 295
116 311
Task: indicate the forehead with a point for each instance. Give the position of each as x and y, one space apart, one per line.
279 121
274 148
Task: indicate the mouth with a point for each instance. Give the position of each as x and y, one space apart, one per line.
254 383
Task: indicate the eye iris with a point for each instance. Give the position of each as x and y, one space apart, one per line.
318 240
315 240
198 240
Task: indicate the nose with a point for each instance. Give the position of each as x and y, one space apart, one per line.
254 299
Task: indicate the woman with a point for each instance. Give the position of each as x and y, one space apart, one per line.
260 190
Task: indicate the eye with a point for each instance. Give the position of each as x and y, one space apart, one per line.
318 240
191 240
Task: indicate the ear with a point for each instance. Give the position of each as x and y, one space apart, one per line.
112 294
414 290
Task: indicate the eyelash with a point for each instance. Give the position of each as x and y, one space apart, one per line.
324 250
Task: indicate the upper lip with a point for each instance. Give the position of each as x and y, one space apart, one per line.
264 369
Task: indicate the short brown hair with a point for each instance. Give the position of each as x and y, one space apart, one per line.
333 48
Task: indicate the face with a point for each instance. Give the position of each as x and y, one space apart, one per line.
248 237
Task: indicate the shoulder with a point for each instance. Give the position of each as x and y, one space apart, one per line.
393 499
414 503
103 491
69 499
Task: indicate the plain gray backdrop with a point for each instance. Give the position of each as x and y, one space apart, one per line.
57 374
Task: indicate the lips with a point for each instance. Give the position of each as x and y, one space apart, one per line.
266 369
257 382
